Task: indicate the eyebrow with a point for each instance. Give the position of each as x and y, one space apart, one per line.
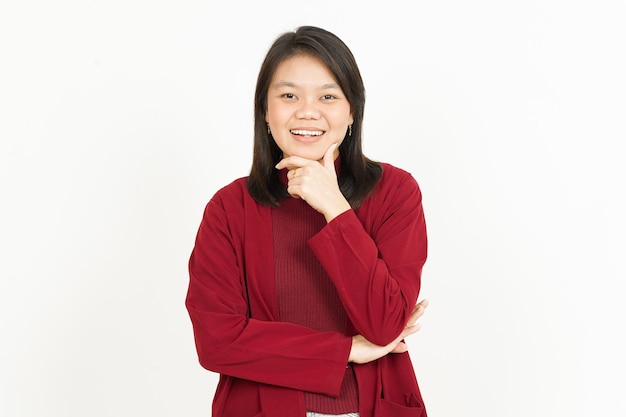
289 84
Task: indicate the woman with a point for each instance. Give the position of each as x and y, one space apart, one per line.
305 275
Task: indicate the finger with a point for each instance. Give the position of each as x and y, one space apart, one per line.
421 306
418 311
409 330
329 157
415 315
292 162
293 173
398 345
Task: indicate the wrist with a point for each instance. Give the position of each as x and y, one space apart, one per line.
336 210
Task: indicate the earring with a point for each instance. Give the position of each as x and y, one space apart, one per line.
268 129
349 130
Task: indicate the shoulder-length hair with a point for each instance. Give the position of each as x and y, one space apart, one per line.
359 175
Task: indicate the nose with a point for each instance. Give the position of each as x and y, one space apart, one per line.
308 109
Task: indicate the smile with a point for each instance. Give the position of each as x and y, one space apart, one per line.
307 132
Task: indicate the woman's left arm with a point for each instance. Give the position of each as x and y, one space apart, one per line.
377 272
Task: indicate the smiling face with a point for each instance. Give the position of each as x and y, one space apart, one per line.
306 109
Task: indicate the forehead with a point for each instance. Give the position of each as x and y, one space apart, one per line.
303 70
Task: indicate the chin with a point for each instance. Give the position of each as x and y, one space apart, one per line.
311 154
314 156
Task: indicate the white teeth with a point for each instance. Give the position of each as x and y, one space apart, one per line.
307 132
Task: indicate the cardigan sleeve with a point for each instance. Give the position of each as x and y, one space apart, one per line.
231 343
377 271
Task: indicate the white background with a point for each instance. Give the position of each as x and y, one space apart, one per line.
120 119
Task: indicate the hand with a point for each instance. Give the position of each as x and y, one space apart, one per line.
364 351
316 183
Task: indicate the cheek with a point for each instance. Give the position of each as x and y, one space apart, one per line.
270 111
342 116
276 112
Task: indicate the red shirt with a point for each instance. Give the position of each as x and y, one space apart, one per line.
305 293
373 255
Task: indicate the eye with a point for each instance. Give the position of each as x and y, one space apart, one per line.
328 97
288 96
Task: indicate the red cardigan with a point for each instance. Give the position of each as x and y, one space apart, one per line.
374 255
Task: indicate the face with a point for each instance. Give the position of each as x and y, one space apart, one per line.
306 109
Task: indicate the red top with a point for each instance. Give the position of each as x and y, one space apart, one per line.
305 293
373 256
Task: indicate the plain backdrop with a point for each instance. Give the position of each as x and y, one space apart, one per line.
120 119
